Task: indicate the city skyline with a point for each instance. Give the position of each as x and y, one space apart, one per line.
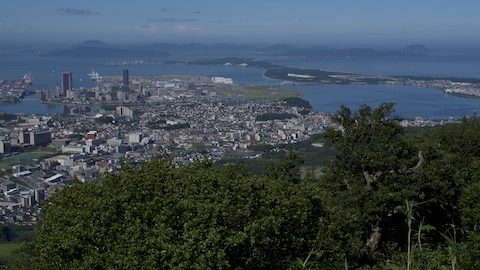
298 22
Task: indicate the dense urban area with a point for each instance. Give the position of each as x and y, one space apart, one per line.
130 120
136 121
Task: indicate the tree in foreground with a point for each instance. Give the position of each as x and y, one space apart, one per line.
378 168
158 216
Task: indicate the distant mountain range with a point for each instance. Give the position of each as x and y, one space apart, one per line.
96 48
325 52
417 48
195 47
95 44
99 49
92 52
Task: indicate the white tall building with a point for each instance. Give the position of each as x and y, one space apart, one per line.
222 80
134 138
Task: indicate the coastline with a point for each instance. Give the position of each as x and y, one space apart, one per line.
470 90
333 79
284 75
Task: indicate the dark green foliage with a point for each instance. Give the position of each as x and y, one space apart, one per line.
109 107
6 234
7 117
105 120
368 180
11 233
158 216
470 213
369 143
287 169
379 166
315 157
176 126
161 124
297 102
261 147
157 124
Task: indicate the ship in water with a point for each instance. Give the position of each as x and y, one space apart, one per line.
95 77
14 90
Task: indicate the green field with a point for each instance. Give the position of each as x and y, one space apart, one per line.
315 157
7 248
24 158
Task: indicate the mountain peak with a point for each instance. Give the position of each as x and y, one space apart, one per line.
417 48
94 44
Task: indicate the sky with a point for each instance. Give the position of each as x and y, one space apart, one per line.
245 21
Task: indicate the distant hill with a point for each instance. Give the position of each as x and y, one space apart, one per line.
233 47
99 49
417 48
95 44
170 47
196 47
278 48
92 52
326 52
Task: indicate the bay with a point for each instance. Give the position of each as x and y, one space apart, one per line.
410 101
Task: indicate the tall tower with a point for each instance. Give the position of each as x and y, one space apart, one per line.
67 82
126 81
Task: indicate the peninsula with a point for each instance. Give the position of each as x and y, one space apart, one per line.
450 85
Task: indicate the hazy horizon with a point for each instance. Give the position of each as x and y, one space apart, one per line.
449 48
359 23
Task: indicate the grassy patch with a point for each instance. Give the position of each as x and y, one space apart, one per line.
316 152
16 234
24 158
7 248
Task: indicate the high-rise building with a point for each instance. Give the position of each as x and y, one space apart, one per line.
40 138
124 111
122 95
67 82
39 196
27 200
24 137
134 138
4 147
51 93
126 81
